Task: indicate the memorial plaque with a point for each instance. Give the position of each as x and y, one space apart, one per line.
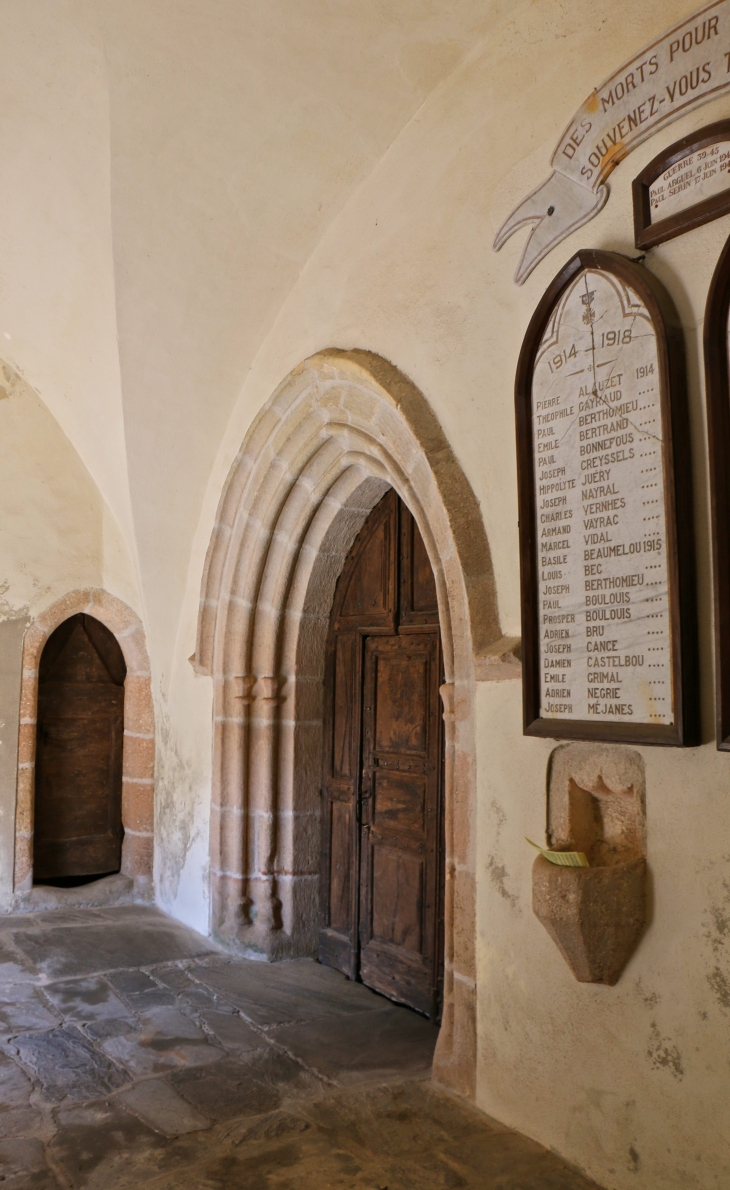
717 371
607 574
684 186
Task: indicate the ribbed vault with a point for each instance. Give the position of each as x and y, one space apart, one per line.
340 430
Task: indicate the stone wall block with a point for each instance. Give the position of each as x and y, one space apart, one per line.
400 440
362 404
111 611
229 908
331 396
139 756
26 743
454 1063
68 605
464 924
24 801
230 855
137 855
23 861
304 858
309 698
462 835
228 739
139 714
137 806
33 643
29 696
135 652
205 639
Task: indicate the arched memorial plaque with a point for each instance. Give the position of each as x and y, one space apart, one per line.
717 372
606 557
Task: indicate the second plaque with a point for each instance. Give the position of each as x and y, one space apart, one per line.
608 597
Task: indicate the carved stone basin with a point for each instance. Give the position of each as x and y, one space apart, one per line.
594 915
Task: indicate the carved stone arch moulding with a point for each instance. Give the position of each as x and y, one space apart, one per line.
138 761
341 429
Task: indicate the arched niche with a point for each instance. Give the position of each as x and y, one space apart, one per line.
340 430
138 752
77 804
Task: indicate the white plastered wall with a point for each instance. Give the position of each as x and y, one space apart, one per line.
57 535
124 234
630 1082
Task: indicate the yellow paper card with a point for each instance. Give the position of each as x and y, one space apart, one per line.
564 859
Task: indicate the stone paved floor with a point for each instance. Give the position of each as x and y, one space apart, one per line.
134 1053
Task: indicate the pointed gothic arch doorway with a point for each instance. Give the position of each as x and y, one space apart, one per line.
342 427
382 859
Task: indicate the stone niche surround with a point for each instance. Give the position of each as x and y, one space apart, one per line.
341 429
138 760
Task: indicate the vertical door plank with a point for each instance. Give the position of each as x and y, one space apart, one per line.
399 898
365 599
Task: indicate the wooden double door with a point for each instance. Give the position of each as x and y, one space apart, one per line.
382 865
77 829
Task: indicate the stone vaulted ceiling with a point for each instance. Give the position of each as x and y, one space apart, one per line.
167 171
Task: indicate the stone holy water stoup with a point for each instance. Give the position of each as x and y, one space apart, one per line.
596 805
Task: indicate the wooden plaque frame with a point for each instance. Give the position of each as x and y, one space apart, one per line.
678 513
717 381
648 234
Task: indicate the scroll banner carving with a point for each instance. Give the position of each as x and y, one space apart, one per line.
605 510
687 67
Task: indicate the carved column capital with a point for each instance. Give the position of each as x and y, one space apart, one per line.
243 685
268 688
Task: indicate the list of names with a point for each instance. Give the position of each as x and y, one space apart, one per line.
604 623
692 179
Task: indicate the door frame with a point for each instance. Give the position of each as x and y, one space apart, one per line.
138 754
339 429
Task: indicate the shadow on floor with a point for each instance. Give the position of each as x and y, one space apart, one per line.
134 1053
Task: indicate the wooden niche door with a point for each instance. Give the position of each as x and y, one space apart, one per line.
382 860
78 781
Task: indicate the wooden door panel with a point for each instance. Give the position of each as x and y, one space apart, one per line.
344 707
369 588
341 868
401 696
366 592
381 866
76 753
78 780
397 901
418 598
399 802
340 833
386 971
77 826
400 828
